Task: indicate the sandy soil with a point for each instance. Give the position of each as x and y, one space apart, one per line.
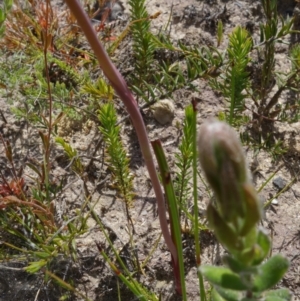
193 22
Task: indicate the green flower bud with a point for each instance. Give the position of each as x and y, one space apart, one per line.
223 162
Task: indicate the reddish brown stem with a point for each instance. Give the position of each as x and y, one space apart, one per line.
120 86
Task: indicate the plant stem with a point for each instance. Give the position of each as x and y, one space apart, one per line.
195 196
120 86
47 145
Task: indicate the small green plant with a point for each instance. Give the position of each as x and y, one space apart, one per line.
184 174
28 222
268 34
118 162
247 76
220 35
24 73
72 155
295 60
192 62
31 82
184 160
249 273
271 32
117 159
236 78
122 272
143 45
28 217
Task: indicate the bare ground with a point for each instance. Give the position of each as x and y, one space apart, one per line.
90 274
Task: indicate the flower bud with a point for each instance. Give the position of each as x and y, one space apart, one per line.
223 162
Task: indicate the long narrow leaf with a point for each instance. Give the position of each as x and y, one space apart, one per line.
174 216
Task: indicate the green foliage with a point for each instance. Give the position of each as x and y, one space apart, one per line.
25 79
99 89
248 73
160 77
267 34
239 48
182 65
223 277
234 216
270 273
72 155
117 158
283 294
271 32
293 108
136 287
4 10
184 161
28 225
143 46
192 63
174 217
236 78
295 56
220 32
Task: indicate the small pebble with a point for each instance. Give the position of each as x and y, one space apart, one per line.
279 183
163 111
275 202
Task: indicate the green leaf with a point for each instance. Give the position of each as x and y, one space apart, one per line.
219 32
215 296
2 30
272 298
2 16
172 206
35 266
252 208
223 278
228 295
270 273
226 236
42 255
35 169
282 293
236 266
264 242
184 161
249 254
8 4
